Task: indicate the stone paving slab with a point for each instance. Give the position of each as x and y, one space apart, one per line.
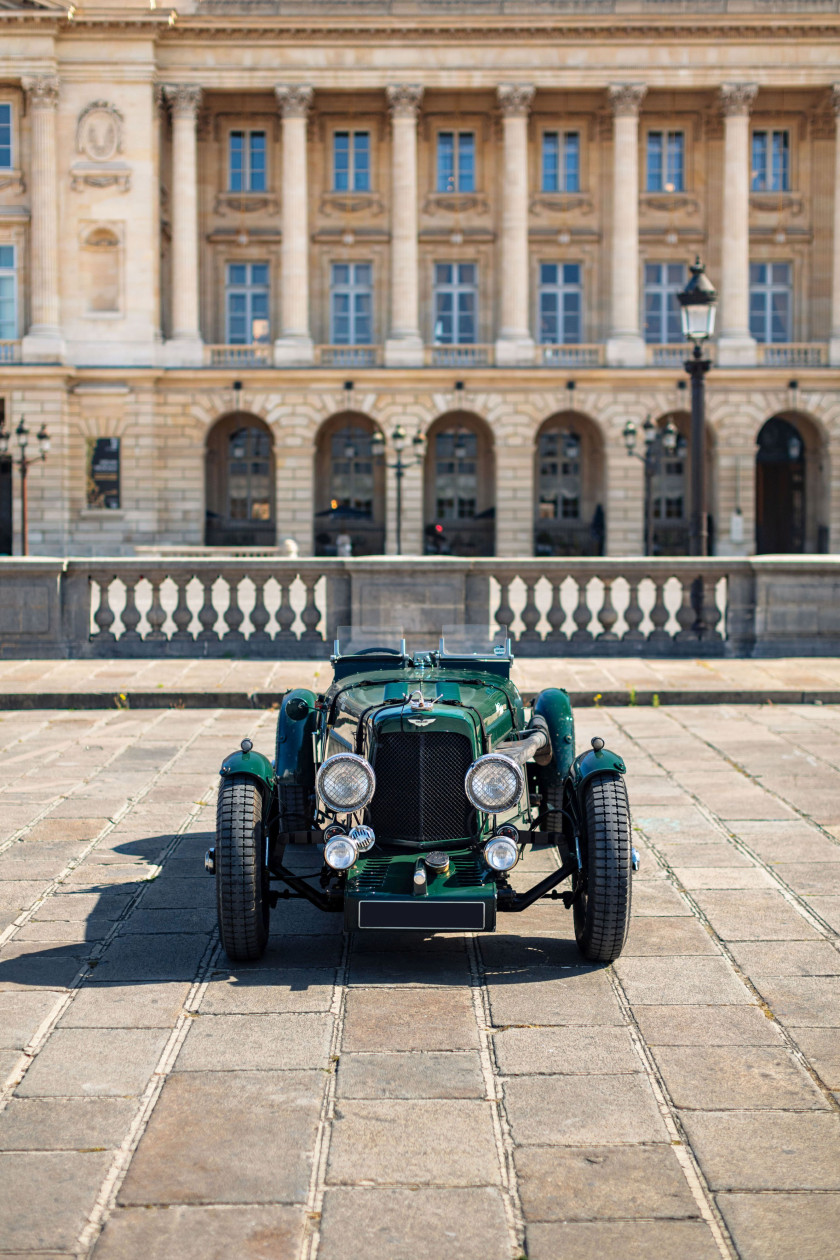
422 1096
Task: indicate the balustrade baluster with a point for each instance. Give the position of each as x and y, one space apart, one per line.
607 614
686 613
182 615
104 615
285 613
530 614
582 614
233 616
659 614
504 613
130 613
207 615
311 614
260 615
633 614
710 613
556 614
156 615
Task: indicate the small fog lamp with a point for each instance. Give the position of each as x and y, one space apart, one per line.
501 853
340 853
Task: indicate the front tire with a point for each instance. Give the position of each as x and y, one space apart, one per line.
603 887
241 875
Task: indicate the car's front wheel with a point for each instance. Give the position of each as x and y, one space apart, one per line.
241 875
602 886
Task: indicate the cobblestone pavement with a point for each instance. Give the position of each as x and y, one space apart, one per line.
470 1097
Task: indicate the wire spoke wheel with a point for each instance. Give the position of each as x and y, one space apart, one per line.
603 884
242 899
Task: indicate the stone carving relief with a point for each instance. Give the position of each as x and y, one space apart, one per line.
99 131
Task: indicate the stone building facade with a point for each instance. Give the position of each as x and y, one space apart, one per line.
240 241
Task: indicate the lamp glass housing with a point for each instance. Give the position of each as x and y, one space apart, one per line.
670 438
630 433
398 437
377 443
43 441
794 448
571 446
698 320
22 436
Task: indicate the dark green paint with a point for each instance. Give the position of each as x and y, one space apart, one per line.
253 764
379 876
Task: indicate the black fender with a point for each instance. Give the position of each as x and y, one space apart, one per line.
294 762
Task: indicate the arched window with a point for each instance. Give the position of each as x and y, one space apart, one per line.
350 489
240 483
780 505
459 489
569 513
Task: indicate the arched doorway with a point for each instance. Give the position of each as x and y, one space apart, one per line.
569 499
459 492
349 489
790 487
240 483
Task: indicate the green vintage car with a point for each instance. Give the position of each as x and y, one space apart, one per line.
422 777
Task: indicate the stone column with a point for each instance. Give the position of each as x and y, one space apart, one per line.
514 345
735 345
43 341
404 344
294 345
185 346
625 346
834 344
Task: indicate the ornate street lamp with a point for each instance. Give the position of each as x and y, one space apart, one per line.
400 441
698 305
658 443
24 461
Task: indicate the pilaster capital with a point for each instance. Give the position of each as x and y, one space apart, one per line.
404 99
736 99
835 100
626 99
41 90
514 99
184 99
294 100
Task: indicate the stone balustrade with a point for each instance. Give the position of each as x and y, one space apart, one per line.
266 606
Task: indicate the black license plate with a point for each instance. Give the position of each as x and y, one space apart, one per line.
430 916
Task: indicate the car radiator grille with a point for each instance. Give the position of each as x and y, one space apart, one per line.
420 793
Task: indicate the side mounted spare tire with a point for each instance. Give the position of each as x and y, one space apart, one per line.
603 886
241 875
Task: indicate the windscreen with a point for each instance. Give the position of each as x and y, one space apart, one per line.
474 640
459 640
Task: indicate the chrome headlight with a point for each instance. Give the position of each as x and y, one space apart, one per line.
501 853
346 783
494 783
340 853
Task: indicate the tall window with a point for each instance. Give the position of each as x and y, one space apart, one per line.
456 475
246 161
249 475
771 305
351 470
351 161
559 476
770 161
456 161
561 161
663 282
8 294
665 161
5 136
561 304
351 304
456 304
246 304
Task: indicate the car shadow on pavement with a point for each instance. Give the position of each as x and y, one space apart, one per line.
164 934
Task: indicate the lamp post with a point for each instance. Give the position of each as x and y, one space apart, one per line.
658 442
399 441
23 462
698 304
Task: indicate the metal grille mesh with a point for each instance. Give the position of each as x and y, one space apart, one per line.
420 786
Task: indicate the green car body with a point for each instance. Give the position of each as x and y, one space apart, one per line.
416 723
